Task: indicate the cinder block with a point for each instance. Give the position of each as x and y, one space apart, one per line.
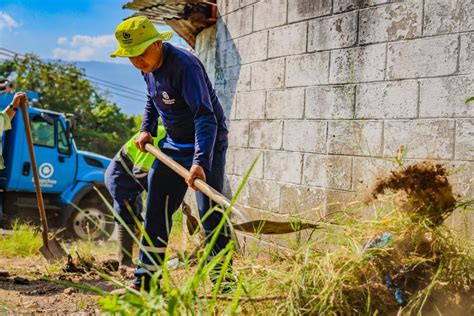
239 22
397 99
337 201
421 138
243 82
441 17
306 70
227 54
305 136
244 158
287 40
465 140
424 57
244 3
269 13
303 201
227 6
229 161
253 47
334 102
266 134
250 105
239 133
445 97
333 172
227 73
346 5
269 74
461 178
466 16
264 195
366 170
390 23
332 32
466 58
288 103
234 183
283 166
230 107
361 138
306 9
359 64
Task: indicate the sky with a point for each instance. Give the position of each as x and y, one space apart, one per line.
70 30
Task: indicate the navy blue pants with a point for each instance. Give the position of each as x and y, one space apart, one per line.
125 189
166 190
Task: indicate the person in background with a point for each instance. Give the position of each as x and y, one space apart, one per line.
7 115
126 180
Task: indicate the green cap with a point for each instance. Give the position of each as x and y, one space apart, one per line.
134 35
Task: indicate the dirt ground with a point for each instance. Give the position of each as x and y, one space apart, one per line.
23 290
27 287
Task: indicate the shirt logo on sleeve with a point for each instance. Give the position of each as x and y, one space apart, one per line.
166 98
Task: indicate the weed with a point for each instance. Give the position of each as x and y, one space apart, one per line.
25 241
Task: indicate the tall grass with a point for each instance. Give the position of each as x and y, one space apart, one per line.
25 241
386 263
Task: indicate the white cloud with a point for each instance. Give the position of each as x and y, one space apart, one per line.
97 41
85 47
6 21
82 54
62 40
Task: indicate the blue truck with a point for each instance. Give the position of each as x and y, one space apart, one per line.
68 176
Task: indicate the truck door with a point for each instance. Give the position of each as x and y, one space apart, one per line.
55 156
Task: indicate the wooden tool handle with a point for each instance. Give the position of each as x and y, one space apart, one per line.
183 172
39 195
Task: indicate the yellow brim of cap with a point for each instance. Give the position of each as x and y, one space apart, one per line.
138 49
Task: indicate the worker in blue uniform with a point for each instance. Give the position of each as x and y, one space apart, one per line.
180 92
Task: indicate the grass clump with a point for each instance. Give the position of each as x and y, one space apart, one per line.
383 265
389 258
25 241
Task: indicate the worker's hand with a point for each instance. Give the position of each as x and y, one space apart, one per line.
19 99
143 139
197 172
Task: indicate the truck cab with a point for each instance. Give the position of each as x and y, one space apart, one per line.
70 179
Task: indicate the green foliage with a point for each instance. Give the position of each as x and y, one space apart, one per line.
24 242
470 99
100 126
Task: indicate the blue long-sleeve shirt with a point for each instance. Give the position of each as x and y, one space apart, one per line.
181 93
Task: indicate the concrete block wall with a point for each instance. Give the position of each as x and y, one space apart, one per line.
327 91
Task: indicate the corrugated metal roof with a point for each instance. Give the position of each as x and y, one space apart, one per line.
186 17
157 10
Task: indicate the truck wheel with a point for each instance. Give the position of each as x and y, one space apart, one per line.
80 226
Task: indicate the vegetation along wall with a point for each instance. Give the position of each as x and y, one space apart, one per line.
327 91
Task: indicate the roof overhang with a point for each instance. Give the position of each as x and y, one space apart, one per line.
186 17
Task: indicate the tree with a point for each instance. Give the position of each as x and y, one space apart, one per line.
100 126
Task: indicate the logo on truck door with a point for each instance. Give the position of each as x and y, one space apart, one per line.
46 170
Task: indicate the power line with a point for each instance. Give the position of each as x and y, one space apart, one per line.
85 75
115 84
132 94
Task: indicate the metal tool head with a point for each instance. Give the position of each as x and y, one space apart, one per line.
53 250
